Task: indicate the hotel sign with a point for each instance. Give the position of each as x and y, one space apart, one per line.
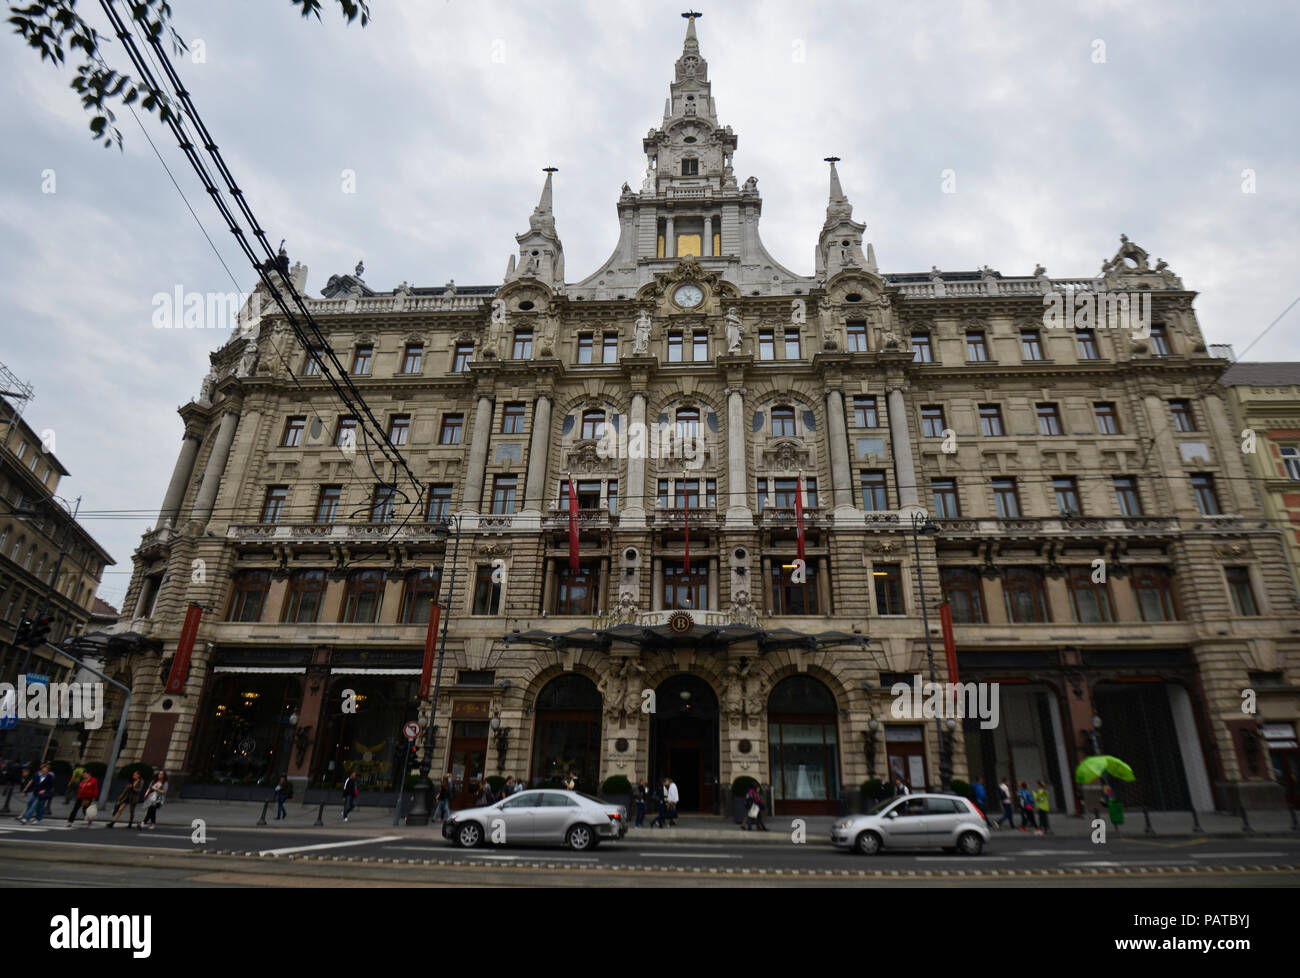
653 619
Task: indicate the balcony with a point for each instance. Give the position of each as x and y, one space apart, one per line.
1088 526
331 532
776 516
671 517
596 518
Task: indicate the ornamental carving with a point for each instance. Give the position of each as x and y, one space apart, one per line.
787 455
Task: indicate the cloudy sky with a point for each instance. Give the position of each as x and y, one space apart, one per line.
1065 124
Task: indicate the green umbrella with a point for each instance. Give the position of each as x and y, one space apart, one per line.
1094 767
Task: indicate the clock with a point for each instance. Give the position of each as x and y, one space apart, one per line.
688 296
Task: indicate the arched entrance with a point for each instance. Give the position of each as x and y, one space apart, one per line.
566 735
801 730
684 741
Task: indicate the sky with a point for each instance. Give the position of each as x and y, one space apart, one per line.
1063 125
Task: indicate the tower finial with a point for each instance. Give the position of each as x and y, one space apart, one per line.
691 16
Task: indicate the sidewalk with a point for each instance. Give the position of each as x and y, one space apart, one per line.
178 816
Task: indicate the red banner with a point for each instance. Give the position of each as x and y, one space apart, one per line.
949 643
430 649
798 521
573 528
184 650
686 524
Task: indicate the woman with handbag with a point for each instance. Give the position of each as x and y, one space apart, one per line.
130 796
154 798
87 796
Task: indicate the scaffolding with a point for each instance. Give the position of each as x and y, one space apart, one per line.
12 387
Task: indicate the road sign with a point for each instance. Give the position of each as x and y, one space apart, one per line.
412 730
8 721
37 679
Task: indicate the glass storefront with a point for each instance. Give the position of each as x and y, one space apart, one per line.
804 747
245 729
368 740
566 736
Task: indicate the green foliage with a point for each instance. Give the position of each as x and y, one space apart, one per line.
740 787
960 787
146 771
54 28
871 787
617 784
411 780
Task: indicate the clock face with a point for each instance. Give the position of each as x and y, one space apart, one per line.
688 296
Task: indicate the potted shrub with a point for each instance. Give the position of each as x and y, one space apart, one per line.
617 790
870 793
960 787
739 789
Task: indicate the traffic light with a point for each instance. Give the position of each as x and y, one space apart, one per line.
24 633
40 631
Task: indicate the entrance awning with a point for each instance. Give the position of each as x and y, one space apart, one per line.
714 637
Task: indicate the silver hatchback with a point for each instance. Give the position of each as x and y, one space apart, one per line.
540 817
922 821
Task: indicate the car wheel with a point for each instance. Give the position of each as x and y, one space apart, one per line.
970 843
469 835
868 843
580 838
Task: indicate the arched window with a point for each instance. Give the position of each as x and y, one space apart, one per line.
18 548
567 733
593 424
688 422
804 747
250 594
27 562
783 421
306 594
365 595
419 595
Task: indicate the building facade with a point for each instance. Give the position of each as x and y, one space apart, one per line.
753 453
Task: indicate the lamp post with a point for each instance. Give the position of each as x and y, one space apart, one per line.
921 523
422 810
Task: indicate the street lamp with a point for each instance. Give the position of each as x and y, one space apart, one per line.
421 811
921 523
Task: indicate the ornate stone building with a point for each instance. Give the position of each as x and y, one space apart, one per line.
692 387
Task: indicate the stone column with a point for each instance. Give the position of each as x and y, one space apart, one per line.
836 431
657 585
216 467
708 236
901 445
635 510
762 595
1225 437
602 600
737 439
478 451
670 240
548 584
181 476
1182 502
824 585
713 584
539 452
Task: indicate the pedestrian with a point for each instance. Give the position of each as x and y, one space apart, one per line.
153 799
981 799
442 808
1027 809
508 788
754 807
283 792
485 796
87 798
70 792
671 797
1008 813
130 797
571 782
350 793
639 795
901 788
661 805
38 788
1041 806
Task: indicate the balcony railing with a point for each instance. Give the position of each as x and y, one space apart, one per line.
1065 525
670 516
557 518
334 532
785 516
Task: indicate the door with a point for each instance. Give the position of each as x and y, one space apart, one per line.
468 761
941 818
551 818
684 769
517 817
907 824
905 750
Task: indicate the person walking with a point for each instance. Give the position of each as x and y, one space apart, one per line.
74 782
153 800
671 797
1042 803
38 788
640 794
87 798
1008 813
754 806
350 792
981 799
442 806
1027 809
283 792
129 798
661 805
901 788
485 796
509 788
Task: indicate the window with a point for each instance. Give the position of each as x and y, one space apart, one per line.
305 596
452 425
346 435
1126 495
576 594
503 494
945 498
674 347
609 344
611 494
21 451
1181 410
682 590
586 343
273 505
1291 461
690 167
922 350
593 424
964 593
1207 499
1107 418
523 347
1086 340
865 414
412 358
363 597
789 597
857 330
1089 600
1066 489
250 594
588 495
874 492
487 591
399 426
1025 595
439 502
687 491
700 346
383 505
1153 588
766 344
512 418
976 349
1159 341
419 595
1031 344
293 430
462 358
783 422
311 368
688 423
327 505
932 425
361 360
991 421
1006 499
792 351
889 589
1243 595
1049 419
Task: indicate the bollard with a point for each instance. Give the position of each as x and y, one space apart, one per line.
320 814
1146 814
1245 821
265 806
1196 822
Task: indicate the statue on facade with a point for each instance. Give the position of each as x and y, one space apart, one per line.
735 330
208 387
498 310
743 611
248 360
641 333
449 290
627 610
648 184
751 185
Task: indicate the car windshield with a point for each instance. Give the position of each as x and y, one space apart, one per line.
583 794
881 806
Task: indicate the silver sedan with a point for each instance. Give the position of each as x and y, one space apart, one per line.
924 821
545 817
